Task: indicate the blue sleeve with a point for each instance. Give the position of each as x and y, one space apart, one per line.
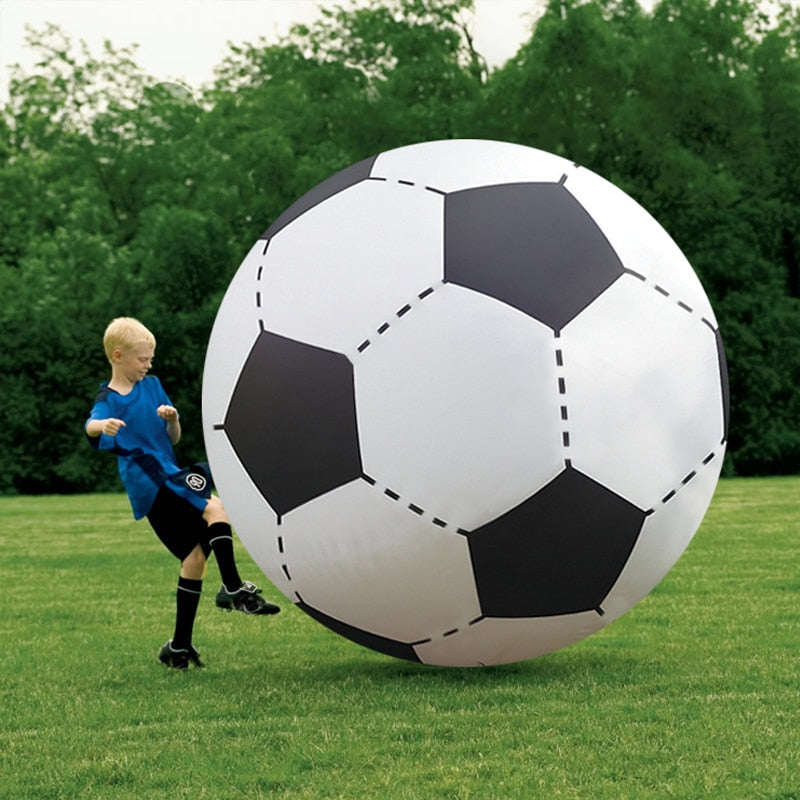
100 410
163 398
158 395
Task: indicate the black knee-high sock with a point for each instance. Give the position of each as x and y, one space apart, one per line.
221 540
187 602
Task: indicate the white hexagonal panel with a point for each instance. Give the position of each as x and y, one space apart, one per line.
458 400
643 391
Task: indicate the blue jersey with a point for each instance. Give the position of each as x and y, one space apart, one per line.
145 457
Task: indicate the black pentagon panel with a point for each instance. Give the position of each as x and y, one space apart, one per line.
381 644
292 421
559 552
531 245
338 182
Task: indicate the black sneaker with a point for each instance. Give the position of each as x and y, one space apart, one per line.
179 658
245 599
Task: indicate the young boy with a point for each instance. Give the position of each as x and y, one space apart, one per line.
133 418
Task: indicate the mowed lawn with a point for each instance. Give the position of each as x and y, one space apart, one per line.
695 693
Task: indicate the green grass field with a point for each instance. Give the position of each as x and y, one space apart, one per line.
695 693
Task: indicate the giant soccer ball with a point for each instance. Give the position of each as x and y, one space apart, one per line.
465 402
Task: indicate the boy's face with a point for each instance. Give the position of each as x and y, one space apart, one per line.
133 364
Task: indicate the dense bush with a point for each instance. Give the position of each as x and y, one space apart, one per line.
119 195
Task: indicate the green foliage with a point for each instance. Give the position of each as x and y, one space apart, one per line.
692 694
123 195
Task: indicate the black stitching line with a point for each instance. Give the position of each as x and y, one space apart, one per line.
562 394
414 508
470 623
259 275
400 313
667 294
406 182
687 479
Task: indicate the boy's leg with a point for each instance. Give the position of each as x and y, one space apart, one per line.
174 520
190 587
234 594
220 537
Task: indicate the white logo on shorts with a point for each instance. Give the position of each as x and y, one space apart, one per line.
196 482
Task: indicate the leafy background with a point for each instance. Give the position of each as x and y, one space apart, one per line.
120 195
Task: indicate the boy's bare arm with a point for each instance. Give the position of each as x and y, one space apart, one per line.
170 415
110 427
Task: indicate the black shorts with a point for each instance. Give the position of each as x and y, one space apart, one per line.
178 524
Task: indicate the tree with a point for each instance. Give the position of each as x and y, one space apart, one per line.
80 168
120 195
692 109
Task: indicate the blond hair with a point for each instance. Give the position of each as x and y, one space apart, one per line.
124 333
